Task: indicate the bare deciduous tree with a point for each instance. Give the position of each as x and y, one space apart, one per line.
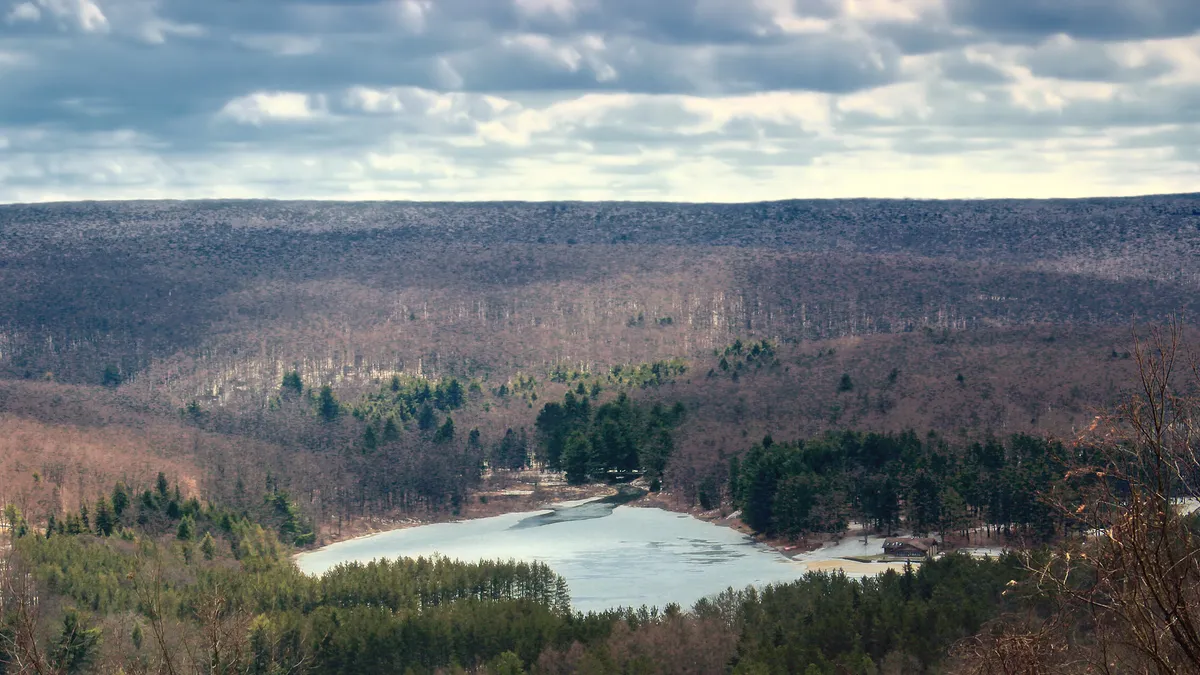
1125 593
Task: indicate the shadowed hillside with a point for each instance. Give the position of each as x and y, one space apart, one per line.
990 316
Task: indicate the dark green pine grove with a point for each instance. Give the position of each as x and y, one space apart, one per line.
620 437
929 484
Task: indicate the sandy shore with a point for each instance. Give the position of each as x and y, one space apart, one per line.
823 553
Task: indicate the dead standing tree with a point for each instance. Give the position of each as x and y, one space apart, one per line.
23 648
1125 590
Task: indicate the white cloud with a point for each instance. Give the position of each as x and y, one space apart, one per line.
665 99
562 9
412 14
373 100
545 48
269 106
907 11
25 11
84 13
155 31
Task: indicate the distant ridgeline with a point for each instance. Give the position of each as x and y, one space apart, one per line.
215 301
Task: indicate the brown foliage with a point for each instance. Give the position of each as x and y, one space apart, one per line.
1127 596
675 645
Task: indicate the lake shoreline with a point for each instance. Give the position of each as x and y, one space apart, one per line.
484 504
610 556
544 497
856 552
818 553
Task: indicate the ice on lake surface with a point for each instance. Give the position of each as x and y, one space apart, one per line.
610 556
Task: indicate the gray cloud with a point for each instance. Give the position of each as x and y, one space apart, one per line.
1094 19
1090 61
309 95
957 67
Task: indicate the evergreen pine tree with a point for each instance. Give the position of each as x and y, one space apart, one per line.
104 519
292 384
391 432
445 433
577 456
208 546
845 384
426 419
120 499
327 404
186 529
76 646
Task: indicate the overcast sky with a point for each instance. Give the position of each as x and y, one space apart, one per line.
697 100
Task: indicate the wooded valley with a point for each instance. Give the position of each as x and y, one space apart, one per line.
193 391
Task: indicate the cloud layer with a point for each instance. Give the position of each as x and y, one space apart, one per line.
722 100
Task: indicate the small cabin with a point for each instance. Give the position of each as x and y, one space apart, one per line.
910 547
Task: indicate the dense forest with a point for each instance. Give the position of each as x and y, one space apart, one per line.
141 582
817 485
192 392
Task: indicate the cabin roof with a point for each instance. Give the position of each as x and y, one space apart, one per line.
919 543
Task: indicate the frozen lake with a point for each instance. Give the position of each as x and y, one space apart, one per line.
610 556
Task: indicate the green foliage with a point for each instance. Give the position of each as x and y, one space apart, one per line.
577 458
292 384
740 356
208 546
328 407
426 419
512 452
105 518
647 374
290 523
445 433
391 431
508 663
383 616
111 377
405 398
120 499
845 384
840 625
639 375
186 530
617 437
425 614
816 485
77 644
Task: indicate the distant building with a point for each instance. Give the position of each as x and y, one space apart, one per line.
910 547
